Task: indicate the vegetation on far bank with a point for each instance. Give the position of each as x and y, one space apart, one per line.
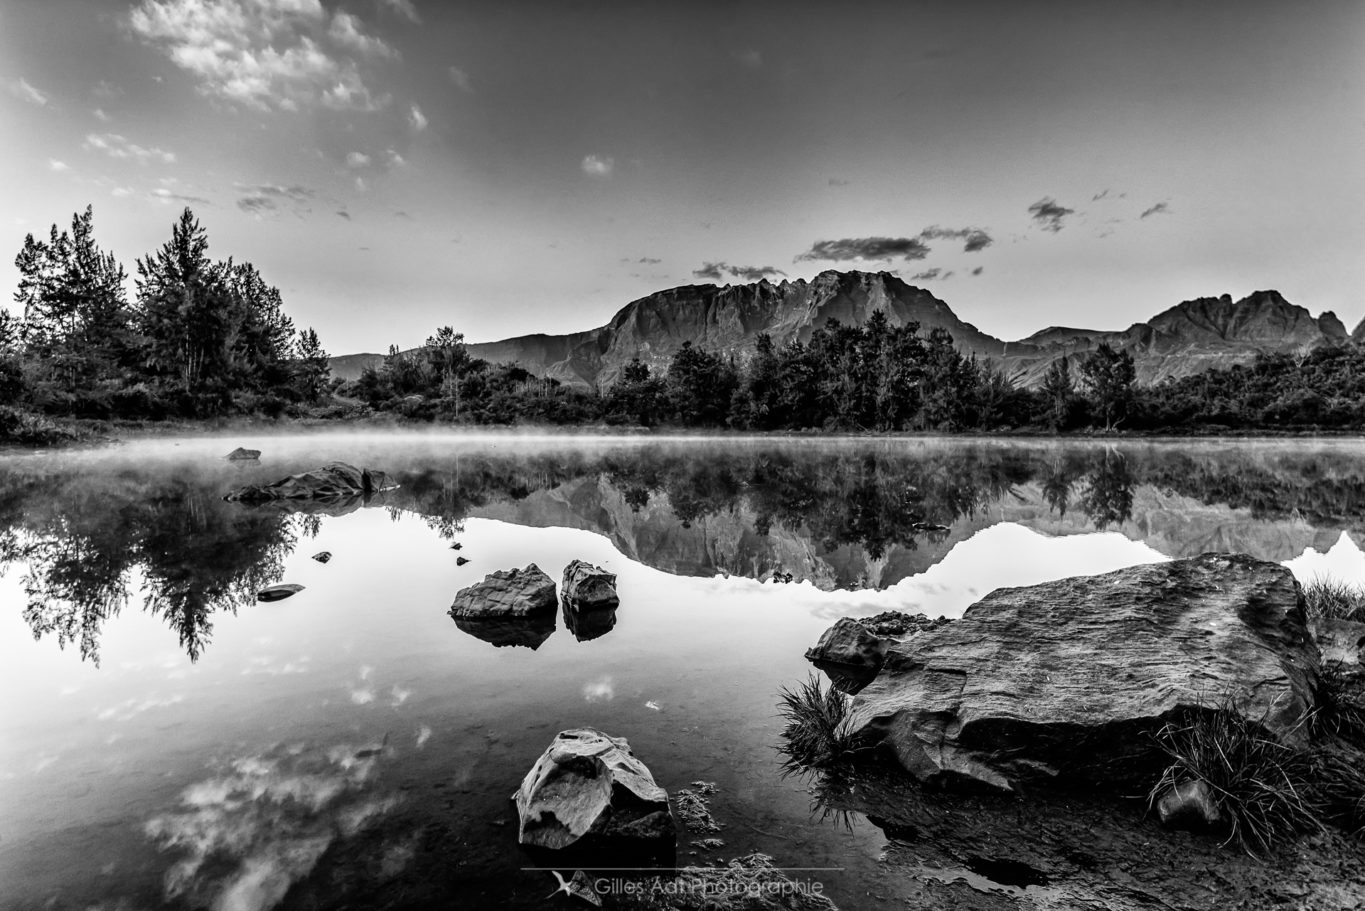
203 339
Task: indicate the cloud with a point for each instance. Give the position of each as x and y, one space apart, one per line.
716 271
867 248
263 53
116 146
344 214
346 30
648 261
121 192
978 270
21 89
416 119
357 160
259 199
929 275
164 195
598 165
461 79
404 8
1159 209
58 166
1048 214
974 239
750 57
101 116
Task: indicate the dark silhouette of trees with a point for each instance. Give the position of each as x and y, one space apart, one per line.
1110 376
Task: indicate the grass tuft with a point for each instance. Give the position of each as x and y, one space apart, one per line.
1340 711
1263 787
1334 599
816 734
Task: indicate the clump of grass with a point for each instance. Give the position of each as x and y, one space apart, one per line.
1334 599
817 733
1265 789
1340 709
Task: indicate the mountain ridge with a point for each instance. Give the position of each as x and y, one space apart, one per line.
1187 338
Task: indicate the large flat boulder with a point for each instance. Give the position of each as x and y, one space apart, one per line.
1070 678
590 785
333 481
505 594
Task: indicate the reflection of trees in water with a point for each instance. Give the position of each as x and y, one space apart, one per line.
87 538
84 538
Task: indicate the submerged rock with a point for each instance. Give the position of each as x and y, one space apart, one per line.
334 481
505 594
588 587
243 455
1071 677
278 592
590 785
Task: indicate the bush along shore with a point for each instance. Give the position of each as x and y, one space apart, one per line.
1184 734
203 339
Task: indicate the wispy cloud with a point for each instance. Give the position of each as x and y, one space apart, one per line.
348 32
866 248
405 8
57 166
21 88
101 116
598 165
357 160
1160 208
1048 214
461 79
974 239
161 194
260 199
264 53
648 261
929 275
717 271
116 146
416 119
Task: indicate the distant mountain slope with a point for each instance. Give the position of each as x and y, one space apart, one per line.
1188 338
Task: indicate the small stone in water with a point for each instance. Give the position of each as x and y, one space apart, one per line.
278 592
322 556
460 561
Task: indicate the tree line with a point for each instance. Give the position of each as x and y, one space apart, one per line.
199 338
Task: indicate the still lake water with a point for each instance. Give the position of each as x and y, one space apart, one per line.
166 741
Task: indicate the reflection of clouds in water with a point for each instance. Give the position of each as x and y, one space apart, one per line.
654 706
365 671
1343 562
260 825
398 695
265 664
362 696
131 708
423 735
603 690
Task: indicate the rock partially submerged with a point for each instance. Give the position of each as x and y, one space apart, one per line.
588 785
323 556
506 594
278 592
243 455
863 642
588 587
1071 677
334 481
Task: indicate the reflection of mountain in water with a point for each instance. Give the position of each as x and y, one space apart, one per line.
843 515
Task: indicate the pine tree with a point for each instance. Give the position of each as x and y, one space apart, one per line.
311 369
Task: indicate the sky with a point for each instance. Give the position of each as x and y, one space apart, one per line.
507 167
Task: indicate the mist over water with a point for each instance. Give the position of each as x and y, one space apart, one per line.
168 741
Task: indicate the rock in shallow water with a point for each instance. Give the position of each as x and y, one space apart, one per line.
588 587
336 480
506 593
1071 677
278 592
863 642
588 784
243 455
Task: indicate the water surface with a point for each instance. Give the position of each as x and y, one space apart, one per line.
166 741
